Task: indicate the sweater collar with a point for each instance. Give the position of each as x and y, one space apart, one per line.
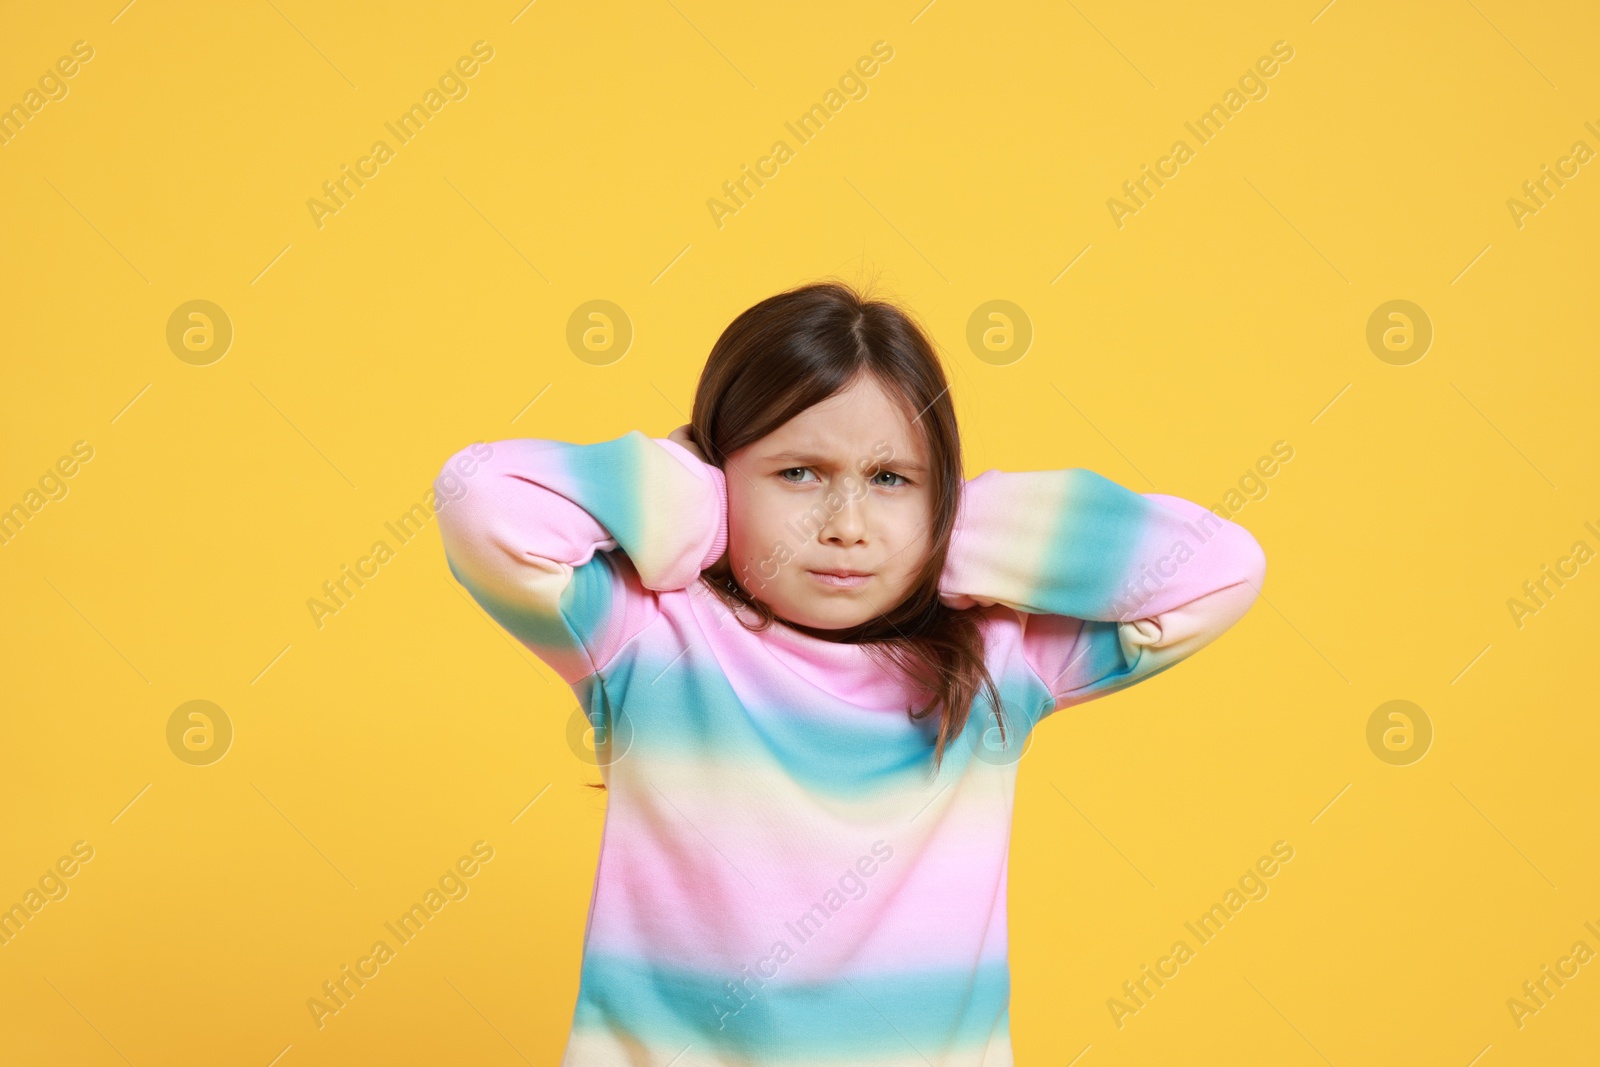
848 672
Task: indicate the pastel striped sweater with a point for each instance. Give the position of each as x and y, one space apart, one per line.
782 878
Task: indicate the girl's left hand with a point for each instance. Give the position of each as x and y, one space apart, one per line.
681 436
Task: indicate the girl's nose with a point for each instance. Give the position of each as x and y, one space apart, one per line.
847 525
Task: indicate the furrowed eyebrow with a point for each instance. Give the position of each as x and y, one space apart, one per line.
808 459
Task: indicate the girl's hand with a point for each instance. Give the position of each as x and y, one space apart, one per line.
681 436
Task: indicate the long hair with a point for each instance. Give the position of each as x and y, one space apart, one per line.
796 349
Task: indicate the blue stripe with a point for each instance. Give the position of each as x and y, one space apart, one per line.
689 708
922 1013
607 481
1097 535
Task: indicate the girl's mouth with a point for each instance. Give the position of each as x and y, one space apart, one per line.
841 580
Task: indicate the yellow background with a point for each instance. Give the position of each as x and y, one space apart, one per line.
431 311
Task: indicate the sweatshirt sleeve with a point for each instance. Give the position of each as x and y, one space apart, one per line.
1114 586
565 545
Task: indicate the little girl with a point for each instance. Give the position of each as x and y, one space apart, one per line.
812 654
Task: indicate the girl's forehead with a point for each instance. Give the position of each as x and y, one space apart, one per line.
843 437
862 416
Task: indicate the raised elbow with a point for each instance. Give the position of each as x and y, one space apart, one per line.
454 478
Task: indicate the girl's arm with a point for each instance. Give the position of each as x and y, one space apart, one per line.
537 530
1115 586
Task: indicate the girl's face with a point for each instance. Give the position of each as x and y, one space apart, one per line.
841 487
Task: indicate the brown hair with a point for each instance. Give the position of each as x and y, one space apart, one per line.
796 349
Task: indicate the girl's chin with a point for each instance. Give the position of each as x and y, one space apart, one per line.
820 620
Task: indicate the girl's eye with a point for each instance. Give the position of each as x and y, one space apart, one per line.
902 480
